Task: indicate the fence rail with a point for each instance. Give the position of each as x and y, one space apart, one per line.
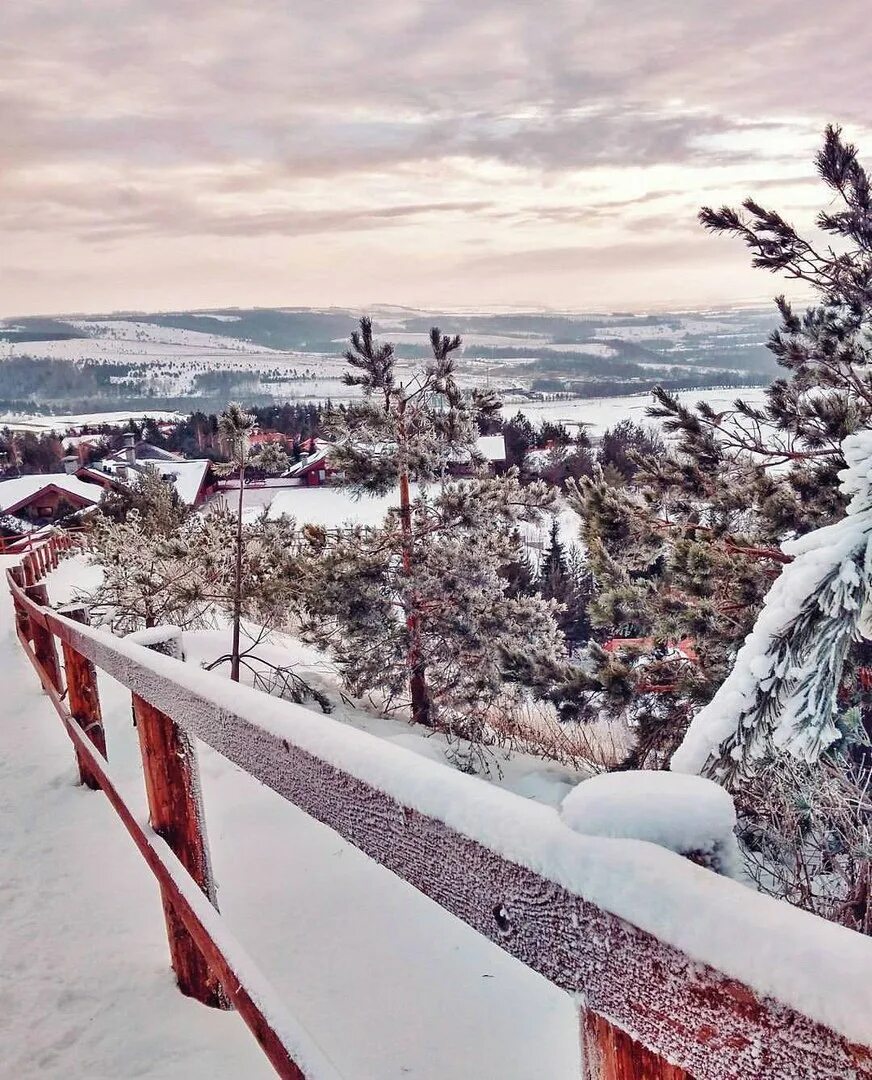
648 1009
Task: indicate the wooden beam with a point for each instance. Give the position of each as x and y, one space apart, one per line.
22 621
172 785
83 697
681 1009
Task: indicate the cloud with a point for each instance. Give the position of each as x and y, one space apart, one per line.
502 124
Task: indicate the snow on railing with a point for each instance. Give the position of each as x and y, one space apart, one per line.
678 972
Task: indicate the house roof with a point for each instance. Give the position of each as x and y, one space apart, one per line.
492 447
21 490
186 476
144 451
300 468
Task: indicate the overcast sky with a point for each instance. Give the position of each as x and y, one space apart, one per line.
182 153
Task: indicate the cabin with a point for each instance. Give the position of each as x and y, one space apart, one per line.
313 469
656 666
192 479
490 454
41 499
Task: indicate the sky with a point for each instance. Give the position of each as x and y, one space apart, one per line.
173 154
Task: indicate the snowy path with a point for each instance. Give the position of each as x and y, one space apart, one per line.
387 982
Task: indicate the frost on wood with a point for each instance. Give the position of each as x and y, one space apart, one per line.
689 815
706 973
781 693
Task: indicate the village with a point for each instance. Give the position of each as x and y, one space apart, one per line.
94 464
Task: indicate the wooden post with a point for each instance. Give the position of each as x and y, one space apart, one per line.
607 1053
83 697
43 640
172 784
53 551
28 569
21 620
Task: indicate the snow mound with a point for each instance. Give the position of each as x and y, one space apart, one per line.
686 814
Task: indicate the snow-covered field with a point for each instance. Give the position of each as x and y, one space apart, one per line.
387 982
68 422
597 414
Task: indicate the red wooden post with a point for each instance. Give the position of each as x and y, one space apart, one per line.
28 569
607 1053
175 808
83 697
21 620
43 640
53 551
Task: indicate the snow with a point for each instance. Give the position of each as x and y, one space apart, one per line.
816 555
386 981
148 335
817 967
333 507
682 813
595 415
15 490
492 447
68 421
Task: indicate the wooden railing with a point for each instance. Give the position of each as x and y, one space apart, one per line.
664 1005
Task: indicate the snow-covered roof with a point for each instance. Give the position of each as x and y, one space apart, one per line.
23 488
144 451
492 447
300 466
186 476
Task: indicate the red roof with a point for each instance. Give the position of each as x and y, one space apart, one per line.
685 646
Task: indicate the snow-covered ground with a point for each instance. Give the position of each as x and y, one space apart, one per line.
597 414
333 507
387 982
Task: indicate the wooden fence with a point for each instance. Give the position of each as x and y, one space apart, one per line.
646 1008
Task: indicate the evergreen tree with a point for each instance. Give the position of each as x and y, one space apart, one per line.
236 425
419 609
685 540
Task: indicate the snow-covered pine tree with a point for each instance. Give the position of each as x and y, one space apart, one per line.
419 609
783 694
687 546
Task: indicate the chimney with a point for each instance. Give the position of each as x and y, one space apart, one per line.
130 448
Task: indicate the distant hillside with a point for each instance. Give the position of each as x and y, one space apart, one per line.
193 359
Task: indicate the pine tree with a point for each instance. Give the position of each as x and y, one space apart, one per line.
236 426
686 542
419 609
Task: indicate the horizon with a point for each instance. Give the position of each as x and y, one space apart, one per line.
154 159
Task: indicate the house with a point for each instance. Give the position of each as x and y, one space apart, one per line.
313 470
134 451
656 666
41 499
490 453
190 478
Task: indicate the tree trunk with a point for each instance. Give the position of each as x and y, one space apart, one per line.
237 583
417 680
